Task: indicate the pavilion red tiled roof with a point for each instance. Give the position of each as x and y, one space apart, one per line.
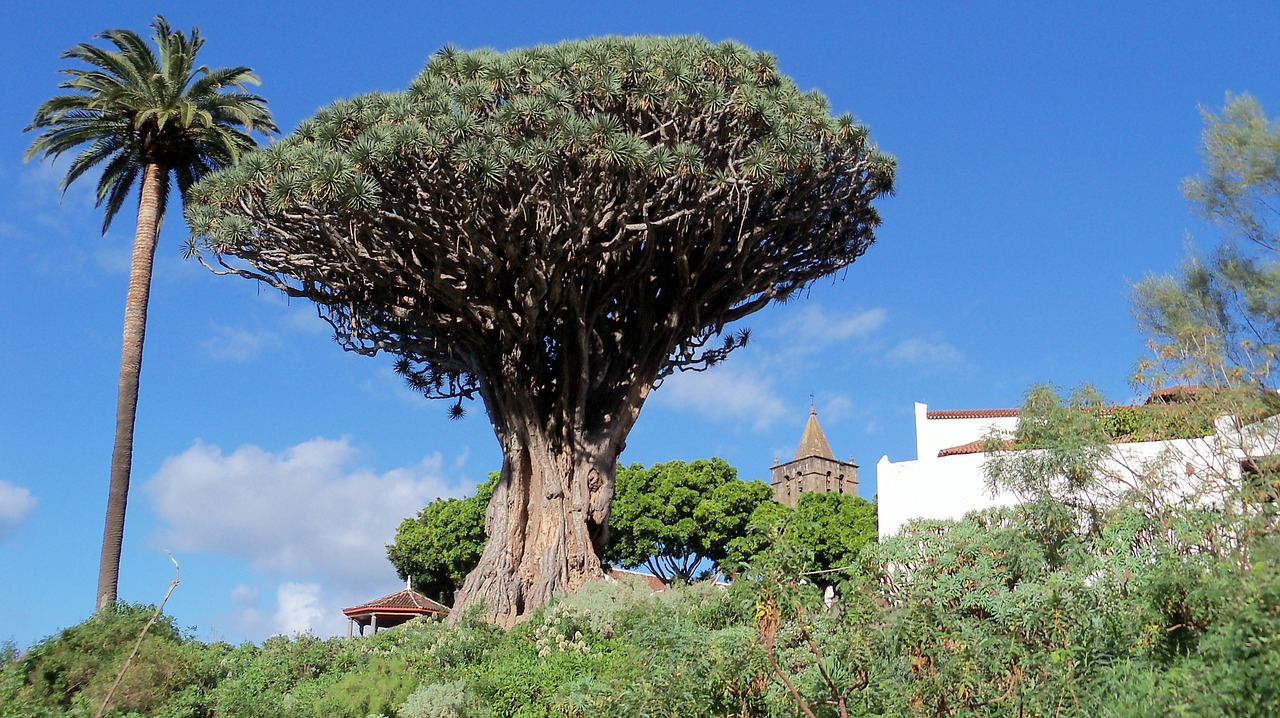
403 601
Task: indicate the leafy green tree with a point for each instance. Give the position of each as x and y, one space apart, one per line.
829 529
149 119
676 518
1217 320
553 230
441 545
764 529
835 526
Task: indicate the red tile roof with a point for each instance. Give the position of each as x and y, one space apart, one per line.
973 447
1163 395
972 414
654 583
1170 394
405 601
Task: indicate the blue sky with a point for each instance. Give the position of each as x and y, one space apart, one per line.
1040 152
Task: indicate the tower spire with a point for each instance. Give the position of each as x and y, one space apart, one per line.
814 442
815 468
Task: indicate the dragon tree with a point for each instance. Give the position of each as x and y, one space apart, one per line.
552 230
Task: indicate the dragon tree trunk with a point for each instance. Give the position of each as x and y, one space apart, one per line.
548 520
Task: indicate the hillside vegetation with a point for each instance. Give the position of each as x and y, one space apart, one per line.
1058 607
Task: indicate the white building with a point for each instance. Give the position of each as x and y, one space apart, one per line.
946 479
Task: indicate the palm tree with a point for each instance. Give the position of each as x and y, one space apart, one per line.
147 118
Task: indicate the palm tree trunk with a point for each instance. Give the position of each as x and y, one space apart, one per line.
135 329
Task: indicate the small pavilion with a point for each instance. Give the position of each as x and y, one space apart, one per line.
391 610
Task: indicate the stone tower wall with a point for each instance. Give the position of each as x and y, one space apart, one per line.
812 474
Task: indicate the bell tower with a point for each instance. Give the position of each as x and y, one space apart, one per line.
814 469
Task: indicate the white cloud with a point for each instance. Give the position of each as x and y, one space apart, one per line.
836 408
116 258
922 352
813 328
245 594
41 197
300 608
16 503
300 513
729 392
245 618
461 460
238 344
39 186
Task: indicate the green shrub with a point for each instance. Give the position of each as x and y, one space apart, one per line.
73 671
599 602
379 686
516 682
283 676
1241 651
465 644
443 700
1009 612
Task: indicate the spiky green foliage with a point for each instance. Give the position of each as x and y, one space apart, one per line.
621 199
132 107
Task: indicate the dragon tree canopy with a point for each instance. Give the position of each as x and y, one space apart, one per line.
553 229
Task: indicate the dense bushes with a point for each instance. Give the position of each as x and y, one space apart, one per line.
1076 602
976 617
73 672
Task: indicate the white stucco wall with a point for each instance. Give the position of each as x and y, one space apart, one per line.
933 487
945 488
934 435
949 487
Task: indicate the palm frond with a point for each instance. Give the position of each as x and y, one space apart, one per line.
101 149
132 103
117 179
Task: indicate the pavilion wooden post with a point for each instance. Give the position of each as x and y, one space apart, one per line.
373 624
